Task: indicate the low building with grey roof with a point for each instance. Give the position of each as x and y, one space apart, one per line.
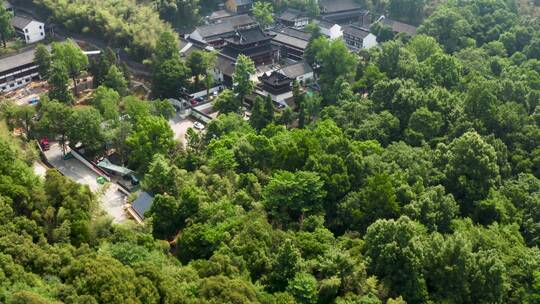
344 11
398 26
17 70
213 34
293 17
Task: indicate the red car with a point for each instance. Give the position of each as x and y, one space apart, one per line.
44 143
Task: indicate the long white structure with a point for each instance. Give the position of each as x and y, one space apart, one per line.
17 71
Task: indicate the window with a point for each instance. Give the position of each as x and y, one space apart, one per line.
27 37
26 30
40 27
19 82
41 33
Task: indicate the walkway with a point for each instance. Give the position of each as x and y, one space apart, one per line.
111 199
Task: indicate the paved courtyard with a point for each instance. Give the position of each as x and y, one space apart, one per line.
180 124
111 199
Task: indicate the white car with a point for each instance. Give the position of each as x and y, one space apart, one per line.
199 126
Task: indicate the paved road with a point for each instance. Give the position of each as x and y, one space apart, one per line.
113 202
111 199
72 168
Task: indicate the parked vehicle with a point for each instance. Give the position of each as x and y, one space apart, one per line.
44 143
279 105
199 126
196 100
33 101
134 180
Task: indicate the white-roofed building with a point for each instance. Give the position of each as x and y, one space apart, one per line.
30 30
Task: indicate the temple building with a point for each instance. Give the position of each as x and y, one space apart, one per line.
254 43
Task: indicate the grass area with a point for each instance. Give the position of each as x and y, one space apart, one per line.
12 46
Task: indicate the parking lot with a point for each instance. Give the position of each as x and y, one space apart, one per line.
111 199
180 124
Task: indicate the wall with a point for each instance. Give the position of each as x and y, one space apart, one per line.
305 78
18 82
335 32
301 22
277 98
203 93
370 41
88 164
34 33
196 36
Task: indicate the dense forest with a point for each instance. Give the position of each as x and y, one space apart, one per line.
414 177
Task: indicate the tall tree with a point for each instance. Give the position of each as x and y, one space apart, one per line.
268 111
448 26
170 72
54 121
226 102
243 71
181 14
395 257
115 80
106 100
209 64
409 11
337 64
471 169
313 8
6 29
151 135
42 57
300 101
286 264
201 63
72 57
262 112
100 66
376 200
196 64
169 78
58 83
292 196
257 114
166 48
263 12
85 128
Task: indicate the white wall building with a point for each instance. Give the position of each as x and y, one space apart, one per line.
330 30
30 30
358 38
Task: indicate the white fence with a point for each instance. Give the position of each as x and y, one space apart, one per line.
203 93
88 164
